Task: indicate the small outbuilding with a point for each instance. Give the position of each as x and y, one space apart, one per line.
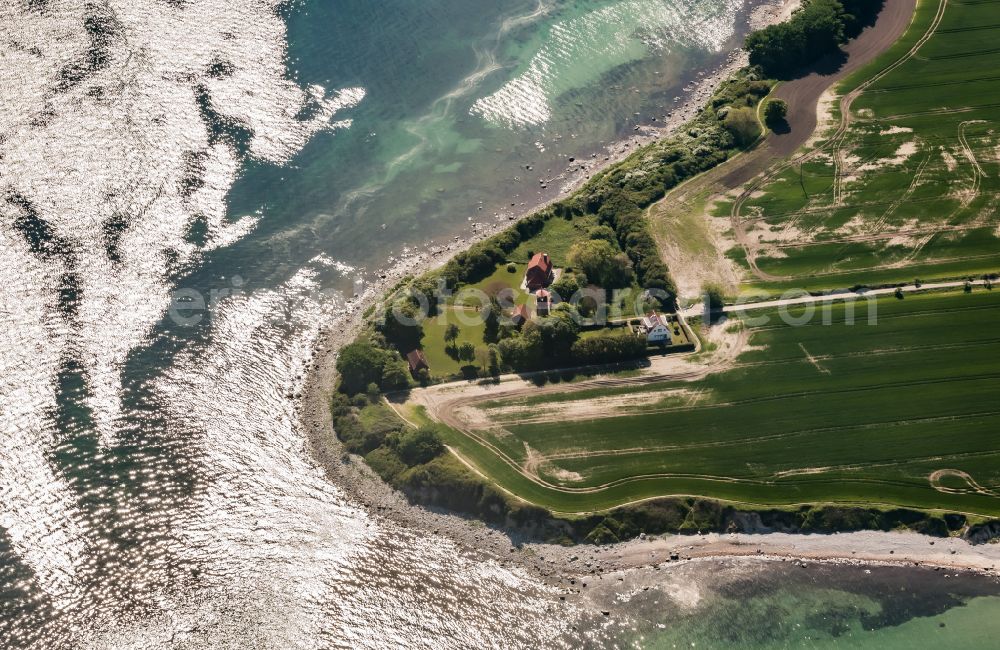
540 272
543 302
520 315
417 361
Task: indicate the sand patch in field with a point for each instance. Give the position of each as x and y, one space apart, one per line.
856 225
949 160
892 130
694 245
592 408
902 154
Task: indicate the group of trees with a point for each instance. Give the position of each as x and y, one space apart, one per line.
814 31
602 262
542 342
361 363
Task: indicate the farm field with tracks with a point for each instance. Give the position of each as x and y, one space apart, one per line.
907 186
898 413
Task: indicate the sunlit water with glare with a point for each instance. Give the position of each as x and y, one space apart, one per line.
155 488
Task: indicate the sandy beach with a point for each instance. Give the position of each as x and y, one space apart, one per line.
556 564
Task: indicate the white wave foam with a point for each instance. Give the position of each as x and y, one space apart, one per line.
578 50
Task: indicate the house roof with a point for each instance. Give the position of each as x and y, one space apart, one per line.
653 320
540 261
416 359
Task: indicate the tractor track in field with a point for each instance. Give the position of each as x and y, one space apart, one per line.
833 144
935 480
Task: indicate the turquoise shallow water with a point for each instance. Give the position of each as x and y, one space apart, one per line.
155 489
784 606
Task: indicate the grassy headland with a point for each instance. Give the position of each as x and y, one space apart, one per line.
797 451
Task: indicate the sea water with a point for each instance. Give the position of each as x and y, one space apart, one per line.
248 156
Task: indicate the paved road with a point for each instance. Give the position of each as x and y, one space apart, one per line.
696 310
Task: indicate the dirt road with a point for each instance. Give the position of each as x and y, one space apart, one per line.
803 94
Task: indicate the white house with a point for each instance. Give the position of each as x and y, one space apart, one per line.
655 327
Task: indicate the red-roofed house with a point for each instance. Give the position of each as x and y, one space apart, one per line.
539 273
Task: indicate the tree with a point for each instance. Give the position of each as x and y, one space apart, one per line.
491 321
713 297
394 374
451 334
742 124
602 263
419 446
775 111
492 361
467 352
360 364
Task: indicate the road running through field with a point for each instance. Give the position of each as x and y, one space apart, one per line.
697 310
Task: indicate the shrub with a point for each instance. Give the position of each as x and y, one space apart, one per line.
604 232
419 446
511 268
714 297
386 463
609 348
742 125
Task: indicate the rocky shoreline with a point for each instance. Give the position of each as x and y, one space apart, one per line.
561 566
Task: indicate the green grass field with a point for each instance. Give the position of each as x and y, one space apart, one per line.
819 413
912 188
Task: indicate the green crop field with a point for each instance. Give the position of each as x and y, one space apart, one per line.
911 188
901 411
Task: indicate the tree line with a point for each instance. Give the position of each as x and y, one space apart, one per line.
815 30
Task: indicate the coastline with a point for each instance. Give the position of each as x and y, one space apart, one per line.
557 564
